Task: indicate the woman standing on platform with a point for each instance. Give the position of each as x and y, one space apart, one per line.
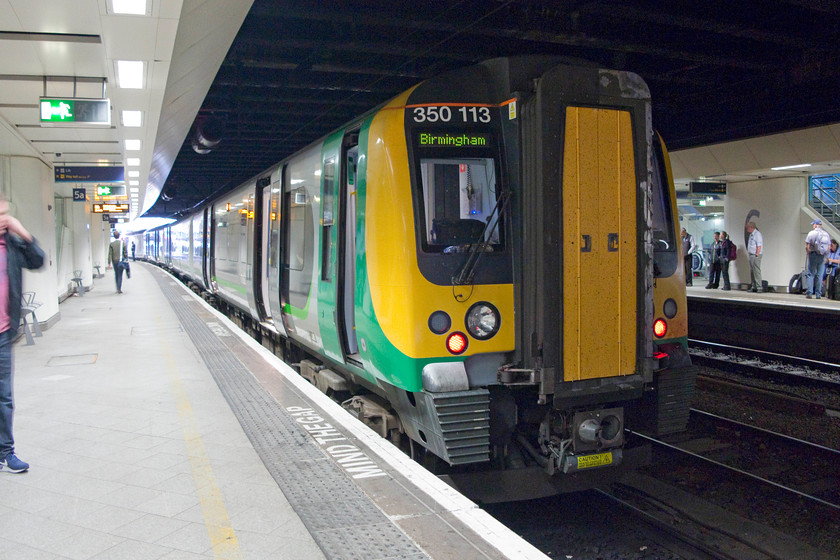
727 253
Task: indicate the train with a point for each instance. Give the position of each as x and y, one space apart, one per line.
485 269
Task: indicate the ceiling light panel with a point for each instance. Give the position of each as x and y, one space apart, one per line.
132 118
129 7
133 145
130 74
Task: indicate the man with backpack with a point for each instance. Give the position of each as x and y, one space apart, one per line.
816 244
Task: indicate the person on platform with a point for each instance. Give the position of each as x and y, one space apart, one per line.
832 266
817 244
755 250
117 252
728 252
688 248
18 250
717 263
133 249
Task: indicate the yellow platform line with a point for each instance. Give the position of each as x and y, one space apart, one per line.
222 536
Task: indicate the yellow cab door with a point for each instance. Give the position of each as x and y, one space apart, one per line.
599 244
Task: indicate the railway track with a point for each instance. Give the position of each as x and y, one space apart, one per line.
767 365
795 466
776 481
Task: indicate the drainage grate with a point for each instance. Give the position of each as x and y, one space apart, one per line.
342 519
76 360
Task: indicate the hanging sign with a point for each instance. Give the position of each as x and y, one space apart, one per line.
74 111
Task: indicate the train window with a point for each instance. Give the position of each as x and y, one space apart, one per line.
459 195
327 219
665 247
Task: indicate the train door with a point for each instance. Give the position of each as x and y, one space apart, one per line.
599 244
273 251
346 292
264 228
256 234
205 244
586 276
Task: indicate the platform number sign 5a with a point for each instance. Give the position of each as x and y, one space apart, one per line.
79 195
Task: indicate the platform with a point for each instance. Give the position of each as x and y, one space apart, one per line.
155 429
778 297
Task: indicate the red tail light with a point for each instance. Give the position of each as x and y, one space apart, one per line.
660 327
456 343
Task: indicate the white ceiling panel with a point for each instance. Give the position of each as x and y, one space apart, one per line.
695 163
165 39
58 16
772 151
9 17
733 157
129 37
814 144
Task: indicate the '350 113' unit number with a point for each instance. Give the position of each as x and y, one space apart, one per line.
445 114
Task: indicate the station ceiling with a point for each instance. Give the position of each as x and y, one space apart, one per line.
717 70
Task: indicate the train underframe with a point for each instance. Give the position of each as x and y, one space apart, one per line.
513 440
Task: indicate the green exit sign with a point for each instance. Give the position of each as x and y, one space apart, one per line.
75 111
102 190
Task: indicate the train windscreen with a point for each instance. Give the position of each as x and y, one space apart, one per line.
459 195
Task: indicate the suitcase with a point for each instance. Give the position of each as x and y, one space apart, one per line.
832 290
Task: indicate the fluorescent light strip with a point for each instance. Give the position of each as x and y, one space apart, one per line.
798 166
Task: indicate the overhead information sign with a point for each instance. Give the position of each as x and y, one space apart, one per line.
75 111
109 191
90 175
110 208
707 188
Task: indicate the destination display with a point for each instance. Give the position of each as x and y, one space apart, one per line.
110 208
449 140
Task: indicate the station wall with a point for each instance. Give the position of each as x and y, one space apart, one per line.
777 206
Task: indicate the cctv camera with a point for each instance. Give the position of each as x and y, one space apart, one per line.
58 154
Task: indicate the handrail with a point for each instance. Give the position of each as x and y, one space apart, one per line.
824 197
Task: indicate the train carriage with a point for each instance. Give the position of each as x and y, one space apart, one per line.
483 268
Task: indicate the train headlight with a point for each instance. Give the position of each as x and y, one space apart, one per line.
457 343
483 320
660 327
439 322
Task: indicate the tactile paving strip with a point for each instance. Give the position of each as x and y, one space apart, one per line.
344 522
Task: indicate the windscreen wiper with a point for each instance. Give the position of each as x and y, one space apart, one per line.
478 247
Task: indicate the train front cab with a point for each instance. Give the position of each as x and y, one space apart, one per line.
587 285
